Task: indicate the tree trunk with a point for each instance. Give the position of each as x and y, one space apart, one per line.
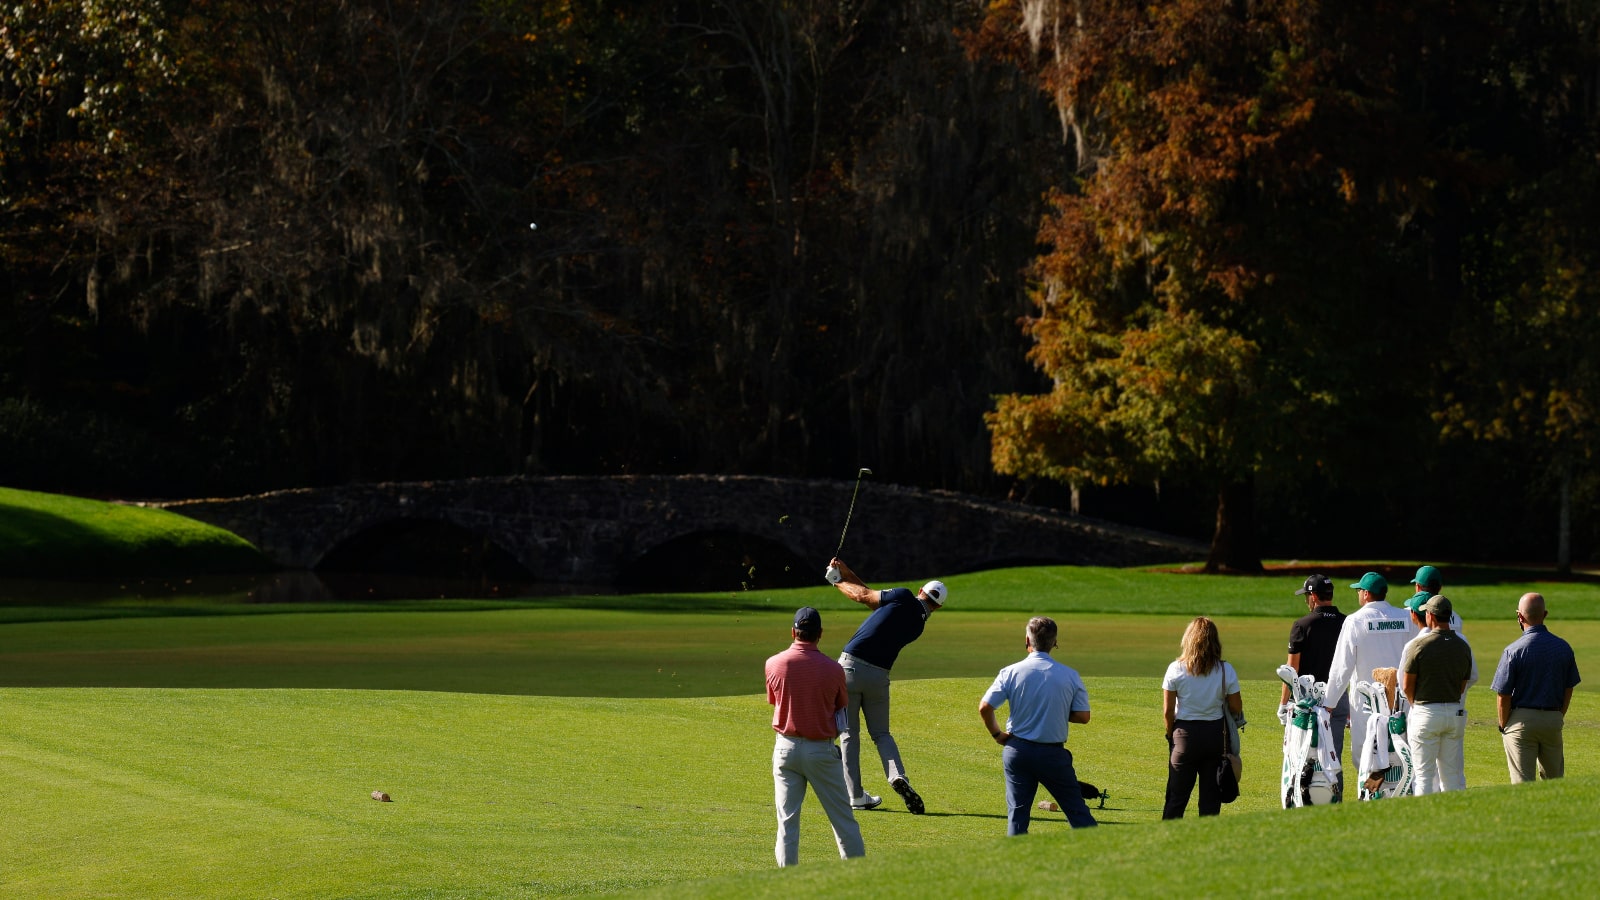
1564 523
1233 545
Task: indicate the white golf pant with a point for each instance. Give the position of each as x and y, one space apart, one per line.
796 762
1434 731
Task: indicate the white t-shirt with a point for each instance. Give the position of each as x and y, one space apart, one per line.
1200 697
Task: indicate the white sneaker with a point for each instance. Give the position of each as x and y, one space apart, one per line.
866 801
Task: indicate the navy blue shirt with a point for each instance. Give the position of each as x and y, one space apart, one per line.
1536 670
896 622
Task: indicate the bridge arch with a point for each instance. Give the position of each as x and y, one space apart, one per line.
591 530
423 546
715 560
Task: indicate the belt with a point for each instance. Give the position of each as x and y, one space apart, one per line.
801 737
1540 708
1042 743
1438 702
857 659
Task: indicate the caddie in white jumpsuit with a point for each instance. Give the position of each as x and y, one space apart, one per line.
1373 637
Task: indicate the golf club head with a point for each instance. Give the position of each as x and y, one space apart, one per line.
864 471
1368 702
1288 674
1307 684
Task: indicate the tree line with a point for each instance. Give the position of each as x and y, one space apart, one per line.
1307 271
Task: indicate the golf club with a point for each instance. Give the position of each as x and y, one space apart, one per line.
1307 685
1292 679
832 572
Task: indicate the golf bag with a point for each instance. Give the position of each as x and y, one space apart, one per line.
1311 773
1385 760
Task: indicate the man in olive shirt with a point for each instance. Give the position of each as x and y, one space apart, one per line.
1458 765
1434 670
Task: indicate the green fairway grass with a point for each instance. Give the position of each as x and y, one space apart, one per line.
1477 843
608 653
266 793
1478 593
200 748
69 537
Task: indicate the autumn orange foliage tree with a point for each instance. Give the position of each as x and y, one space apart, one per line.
1256 185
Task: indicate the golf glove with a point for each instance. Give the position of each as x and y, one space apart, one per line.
1285 713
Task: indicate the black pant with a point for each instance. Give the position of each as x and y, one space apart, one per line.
1196 751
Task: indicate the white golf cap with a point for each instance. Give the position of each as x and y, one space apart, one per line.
935 591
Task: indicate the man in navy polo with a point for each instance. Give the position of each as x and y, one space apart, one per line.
1533 688
897 619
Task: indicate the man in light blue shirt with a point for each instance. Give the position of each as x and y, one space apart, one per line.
1045 696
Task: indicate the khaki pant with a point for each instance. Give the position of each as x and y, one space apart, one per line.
1533 744
797 762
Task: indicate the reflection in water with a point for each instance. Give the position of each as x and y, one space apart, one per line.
292 586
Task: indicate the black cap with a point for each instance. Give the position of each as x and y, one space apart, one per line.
1317 584
807 619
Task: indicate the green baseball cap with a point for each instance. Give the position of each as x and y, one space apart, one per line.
1373 582
1416 601
1428 577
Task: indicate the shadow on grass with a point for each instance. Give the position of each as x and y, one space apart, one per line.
297 591
1399 574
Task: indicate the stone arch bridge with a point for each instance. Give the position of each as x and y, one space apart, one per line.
589 530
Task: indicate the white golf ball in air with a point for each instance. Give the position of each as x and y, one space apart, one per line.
533 226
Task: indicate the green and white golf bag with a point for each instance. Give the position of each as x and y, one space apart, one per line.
1385 760
1311 775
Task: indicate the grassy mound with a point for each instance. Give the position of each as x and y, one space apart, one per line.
55 536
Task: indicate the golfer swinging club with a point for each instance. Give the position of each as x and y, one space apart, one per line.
897 619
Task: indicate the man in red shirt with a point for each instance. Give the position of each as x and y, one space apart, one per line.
806 690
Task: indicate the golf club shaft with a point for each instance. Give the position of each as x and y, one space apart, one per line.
852 509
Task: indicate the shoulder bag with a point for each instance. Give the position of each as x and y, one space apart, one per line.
1231 767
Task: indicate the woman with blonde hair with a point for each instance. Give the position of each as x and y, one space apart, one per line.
1192 707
